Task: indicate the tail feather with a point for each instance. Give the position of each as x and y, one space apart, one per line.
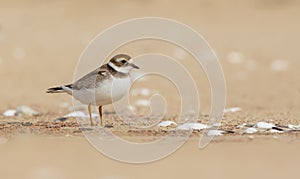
55 90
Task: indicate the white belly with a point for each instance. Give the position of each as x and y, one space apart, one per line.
105 92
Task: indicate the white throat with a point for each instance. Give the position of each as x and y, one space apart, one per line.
119 69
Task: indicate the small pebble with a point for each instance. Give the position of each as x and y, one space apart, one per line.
27 124
193 126
9 112
26 111
251 130
167 124
62 119
264 125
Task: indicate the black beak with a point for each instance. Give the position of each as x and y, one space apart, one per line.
134 66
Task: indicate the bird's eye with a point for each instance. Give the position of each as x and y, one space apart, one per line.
123 61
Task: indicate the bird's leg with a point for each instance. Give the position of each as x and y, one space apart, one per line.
90 113
100 115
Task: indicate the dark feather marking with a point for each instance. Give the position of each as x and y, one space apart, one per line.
55 90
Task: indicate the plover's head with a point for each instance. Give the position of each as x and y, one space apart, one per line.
122 63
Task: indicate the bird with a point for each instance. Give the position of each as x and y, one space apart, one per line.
95 88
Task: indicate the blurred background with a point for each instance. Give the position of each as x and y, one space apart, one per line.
257 43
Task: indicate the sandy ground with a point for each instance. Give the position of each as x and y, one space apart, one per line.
257 45
73 157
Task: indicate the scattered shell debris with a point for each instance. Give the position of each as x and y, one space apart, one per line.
193 126
21 111
270 126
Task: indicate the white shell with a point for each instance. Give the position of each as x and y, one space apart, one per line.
194 126
242 125
291 126
275 131
142 102
80 114
167 124
251 130
264 125
140 91
235 57
280 65
9 112
234 109
218 124
215 133
26 111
